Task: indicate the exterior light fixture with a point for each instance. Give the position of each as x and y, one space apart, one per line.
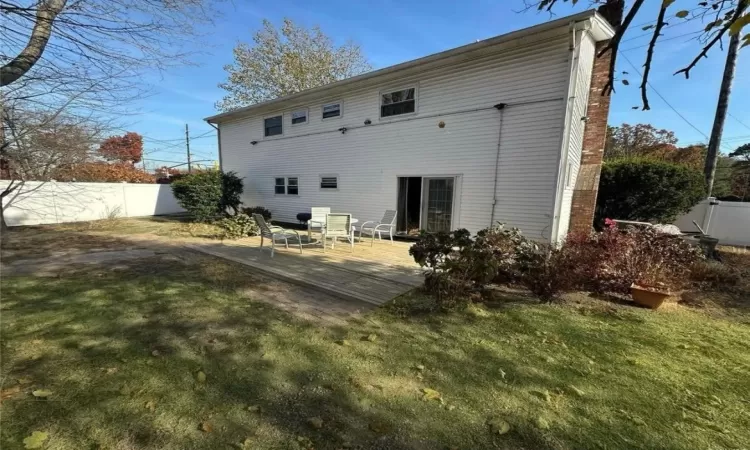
342 130
254 142
368 121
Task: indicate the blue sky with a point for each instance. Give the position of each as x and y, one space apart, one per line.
390 32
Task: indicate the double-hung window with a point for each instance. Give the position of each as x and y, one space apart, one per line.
286 186
399 102
272 126
299 117
332 110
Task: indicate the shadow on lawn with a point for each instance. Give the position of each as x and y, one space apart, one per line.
122 351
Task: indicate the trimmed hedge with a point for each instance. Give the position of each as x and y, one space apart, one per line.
647 191
208 195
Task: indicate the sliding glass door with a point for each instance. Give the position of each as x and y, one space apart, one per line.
437 204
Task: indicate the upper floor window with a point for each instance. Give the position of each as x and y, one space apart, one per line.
272 126
399 102
299 117
332 110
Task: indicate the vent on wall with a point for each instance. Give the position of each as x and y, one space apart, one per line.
329 182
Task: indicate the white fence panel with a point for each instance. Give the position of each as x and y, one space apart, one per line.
52 202
727 221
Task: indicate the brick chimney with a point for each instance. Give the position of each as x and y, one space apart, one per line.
592 154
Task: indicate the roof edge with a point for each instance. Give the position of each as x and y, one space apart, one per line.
602 31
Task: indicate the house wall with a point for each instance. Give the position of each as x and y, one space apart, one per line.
531 78
579 107
39 202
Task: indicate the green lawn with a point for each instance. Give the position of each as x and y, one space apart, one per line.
175 353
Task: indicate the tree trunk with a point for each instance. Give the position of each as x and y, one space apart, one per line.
46 13
712 156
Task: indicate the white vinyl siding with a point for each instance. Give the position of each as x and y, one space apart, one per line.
531 77
577 125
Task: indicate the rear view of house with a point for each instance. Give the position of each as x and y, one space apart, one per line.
510 129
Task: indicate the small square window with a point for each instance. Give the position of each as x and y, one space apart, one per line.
299 117
398 102
329 182
332 110
273 126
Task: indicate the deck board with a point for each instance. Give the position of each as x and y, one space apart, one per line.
370 273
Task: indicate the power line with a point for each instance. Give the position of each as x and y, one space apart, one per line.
661 40
738 120
662 97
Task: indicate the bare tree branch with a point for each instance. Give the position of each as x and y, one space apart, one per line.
650 55
45 16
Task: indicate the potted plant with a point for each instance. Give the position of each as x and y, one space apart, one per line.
654 286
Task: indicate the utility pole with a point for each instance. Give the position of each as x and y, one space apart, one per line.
187 146
712 156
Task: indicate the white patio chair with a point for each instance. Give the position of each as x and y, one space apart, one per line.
386 225
338 225
317 220
273 232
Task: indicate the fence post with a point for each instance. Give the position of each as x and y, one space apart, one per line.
125 197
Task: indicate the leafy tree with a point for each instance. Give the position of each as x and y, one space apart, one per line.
741 172
102 172
627 141
127 148
718 18
647 190
280 64
208 195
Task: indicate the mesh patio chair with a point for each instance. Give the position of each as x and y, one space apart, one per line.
338 225
386 225
318 220
273 232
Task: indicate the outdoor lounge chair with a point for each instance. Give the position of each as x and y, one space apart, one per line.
273 232
318 220
338 225
386 225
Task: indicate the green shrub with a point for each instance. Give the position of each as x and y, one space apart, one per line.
209 194
647 191
266 213
237 226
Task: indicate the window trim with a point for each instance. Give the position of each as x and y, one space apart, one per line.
307 117
271 116
389 90
286 184
341 110
328 175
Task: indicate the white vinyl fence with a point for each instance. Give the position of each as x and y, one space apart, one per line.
54 202
727 221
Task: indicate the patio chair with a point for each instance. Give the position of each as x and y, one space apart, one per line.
386 225
318 220
273 232
338 225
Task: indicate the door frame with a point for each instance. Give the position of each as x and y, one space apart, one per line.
456 207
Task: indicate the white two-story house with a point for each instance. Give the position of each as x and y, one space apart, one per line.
493 131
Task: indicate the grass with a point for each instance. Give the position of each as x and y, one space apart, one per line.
122 352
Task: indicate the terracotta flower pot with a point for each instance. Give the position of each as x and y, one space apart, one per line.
648 296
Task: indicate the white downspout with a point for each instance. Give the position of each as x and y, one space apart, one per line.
565 145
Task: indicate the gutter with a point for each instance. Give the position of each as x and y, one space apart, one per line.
218 141
575 55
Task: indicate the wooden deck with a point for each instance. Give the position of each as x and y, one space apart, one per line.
369 274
